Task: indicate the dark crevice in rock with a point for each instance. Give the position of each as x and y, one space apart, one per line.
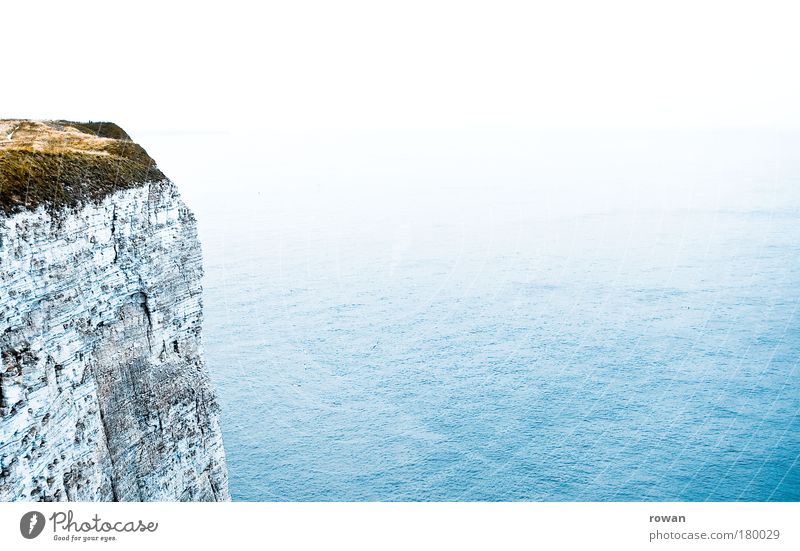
114 492
143 300
114 234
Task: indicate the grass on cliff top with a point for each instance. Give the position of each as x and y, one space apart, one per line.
52 164
99 129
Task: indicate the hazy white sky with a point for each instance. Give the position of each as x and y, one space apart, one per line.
408 64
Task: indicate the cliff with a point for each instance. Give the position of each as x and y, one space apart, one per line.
103 388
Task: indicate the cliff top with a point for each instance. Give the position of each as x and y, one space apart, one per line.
64 164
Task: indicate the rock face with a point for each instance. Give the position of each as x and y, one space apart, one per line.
103 389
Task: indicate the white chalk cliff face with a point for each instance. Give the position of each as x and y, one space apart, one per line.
103 389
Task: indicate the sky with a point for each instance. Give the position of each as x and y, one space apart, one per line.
303 66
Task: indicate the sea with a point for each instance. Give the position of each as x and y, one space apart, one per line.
500 315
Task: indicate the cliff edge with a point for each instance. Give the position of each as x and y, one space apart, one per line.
103 389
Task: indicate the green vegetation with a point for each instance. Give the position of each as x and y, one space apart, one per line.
51 164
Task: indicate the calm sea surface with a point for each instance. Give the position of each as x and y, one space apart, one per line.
446 316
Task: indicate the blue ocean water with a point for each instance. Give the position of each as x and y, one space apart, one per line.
445 316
